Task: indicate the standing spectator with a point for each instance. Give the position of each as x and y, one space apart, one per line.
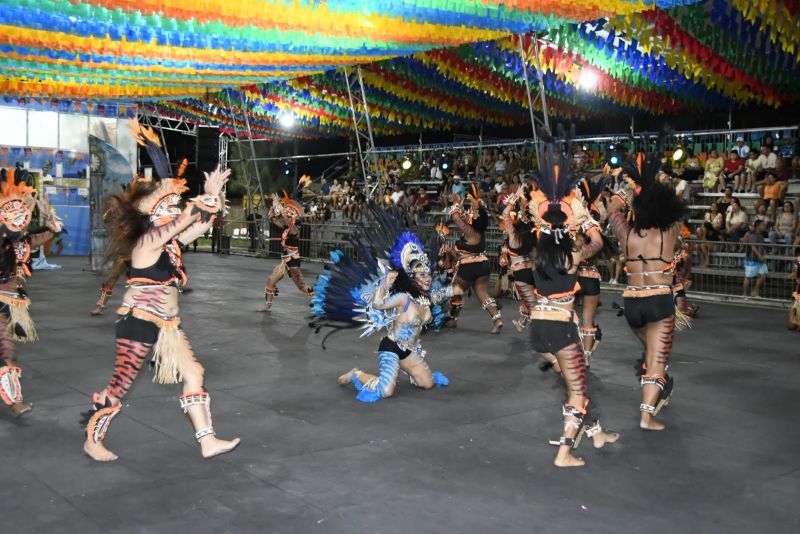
713 170
734 170
755 260
735 222
785 225
741 149
422 204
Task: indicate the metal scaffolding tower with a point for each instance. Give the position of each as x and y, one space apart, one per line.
252 189
540 96
359 110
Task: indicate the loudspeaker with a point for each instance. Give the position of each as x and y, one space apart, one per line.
207 148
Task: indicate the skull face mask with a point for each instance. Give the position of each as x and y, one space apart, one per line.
162 204
16 205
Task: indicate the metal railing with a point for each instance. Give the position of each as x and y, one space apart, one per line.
722 276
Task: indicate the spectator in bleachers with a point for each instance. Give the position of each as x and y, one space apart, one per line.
741 149
713 224
713 170
755 260
504 194
486 184
768 143
766 161
734 170
458 187
325 187
422 204
770 190
752 166
724 202
796 168
500 165
397 195
692 170
735 222
785 225
515 185
333 198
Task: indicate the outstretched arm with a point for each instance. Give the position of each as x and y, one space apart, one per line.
592 232
457 214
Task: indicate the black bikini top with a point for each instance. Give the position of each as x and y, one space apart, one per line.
463 246
642 258
559 285
166 271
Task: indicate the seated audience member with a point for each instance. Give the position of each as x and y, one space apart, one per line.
785 225
735 222
724 202
692 170
741 149
458 187
713 170
752 168
713 224
733 171
766 161
770 190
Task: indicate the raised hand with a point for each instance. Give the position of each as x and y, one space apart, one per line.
216 180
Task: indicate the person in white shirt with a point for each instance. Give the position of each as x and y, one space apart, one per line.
766 161
397 195
740 147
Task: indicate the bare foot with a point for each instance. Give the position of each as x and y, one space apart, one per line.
519 325
19 409
97 451
98 310
601 438
498 325
648 422
565 459
345 378
211 446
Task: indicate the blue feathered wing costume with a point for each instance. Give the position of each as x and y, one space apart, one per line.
344 295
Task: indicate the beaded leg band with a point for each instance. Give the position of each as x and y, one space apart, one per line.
10 388
204 399
99 417
665 385
571 411
104 294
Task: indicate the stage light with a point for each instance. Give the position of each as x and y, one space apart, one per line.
588 80
445 165
614 161
406 164
679 155
286 120
585 148
611 147
286 172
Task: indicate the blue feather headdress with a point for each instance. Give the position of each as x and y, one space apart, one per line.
408 254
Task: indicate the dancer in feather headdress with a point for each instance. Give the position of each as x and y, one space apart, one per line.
16 209
521 241
147 225
554 323
286 213
588 273
649 243
391 289
473 267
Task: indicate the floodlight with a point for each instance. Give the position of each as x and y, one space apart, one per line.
286 120
588 80
679 155
406 164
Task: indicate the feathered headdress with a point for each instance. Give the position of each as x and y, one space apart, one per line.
16 201
556 179
408 254
147 138
644 169
591 190
160 204
286 206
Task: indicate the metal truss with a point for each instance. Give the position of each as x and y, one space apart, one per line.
359 110
540 96
149 115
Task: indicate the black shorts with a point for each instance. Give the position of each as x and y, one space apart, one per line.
589 286
552 336
293 263
388 345
469 272
135 329
524 275
643 310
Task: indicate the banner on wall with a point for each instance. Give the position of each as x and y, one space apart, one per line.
109 171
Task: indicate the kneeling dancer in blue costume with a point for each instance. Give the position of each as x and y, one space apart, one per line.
401 298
